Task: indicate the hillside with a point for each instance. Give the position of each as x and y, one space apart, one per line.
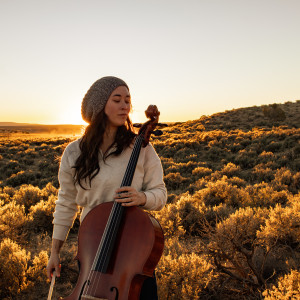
232 222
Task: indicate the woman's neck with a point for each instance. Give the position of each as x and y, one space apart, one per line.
108 138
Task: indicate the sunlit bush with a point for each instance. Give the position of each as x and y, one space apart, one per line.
282 227
21 177
28 195
191 214
175 181
261 172
13 266
49 190
9 190
40 216
287 288
4 197
36 273
170 221
234 246
283 177
231 170
12 220
183 277
201 171
222 192
263 194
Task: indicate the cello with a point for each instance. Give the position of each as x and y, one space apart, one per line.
118 247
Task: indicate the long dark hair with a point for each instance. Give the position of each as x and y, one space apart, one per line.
87 163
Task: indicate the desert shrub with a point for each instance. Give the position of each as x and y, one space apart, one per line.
13 266
183 277
236 181
235 147
245 159
274 146
213 214
231 170
49 190
274 112
234 246
40 216
28 196
296 182
264 195
12 165
282 227
172 198
170 221
175 181
287 288
215 153
4 198
266 156
12 220
201 171
283 178
191 214
222 192
31 153
262 173
36 273
8 190
198 185
21 177
185 168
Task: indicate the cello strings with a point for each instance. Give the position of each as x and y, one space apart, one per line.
117 209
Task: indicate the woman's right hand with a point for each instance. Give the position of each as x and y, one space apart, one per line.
53 264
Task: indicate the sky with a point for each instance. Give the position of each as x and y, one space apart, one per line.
188 57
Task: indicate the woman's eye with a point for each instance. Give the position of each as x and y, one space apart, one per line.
117 101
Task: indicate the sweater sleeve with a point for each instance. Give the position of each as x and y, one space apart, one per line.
153 184
66 208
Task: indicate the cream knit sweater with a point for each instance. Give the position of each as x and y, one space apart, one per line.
148 177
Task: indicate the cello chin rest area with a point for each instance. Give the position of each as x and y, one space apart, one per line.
87 297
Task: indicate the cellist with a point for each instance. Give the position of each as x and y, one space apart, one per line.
92 167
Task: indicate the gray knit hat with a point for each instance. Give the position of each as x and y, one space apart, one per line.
96 97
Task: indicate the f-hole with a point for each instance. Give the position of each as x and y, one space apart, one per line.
117 292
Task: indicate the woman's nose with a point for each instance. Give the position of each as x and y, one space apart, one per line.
125 105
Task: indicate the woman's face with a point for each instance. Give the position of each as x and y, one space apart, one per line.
118 106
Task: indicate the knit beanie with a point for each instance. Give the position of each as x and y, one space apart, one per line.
97 95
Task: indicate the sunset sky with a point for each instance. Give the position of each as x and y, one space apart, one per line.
189 57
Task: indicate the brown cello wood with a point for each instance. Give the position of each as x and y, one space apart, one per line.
132 260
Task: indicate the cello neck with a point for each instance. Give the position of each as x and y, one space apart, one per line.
128 176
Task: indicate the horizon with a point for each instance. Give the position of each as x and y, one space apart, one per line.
161 121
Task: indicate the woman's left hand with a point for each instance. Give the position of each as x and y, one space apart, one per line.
129 196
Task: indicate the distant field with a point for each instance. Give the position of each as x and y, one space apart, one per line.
34 129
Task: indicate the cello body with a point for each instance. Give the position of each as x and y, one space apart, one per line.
131 260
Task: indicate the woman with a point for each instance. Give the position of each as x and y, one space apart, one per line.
92 168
